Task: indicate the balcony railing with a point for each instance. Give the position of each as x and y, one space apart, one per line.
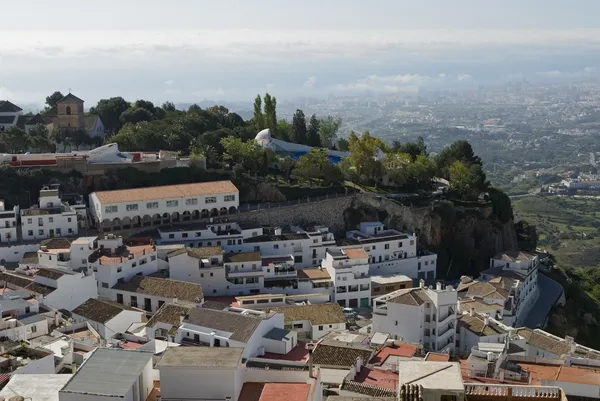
476 392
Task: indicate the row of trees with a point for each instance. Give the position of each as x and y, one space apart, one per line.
316 132
38 139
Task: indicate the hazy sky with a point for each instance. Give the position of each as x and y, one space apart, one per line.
188 50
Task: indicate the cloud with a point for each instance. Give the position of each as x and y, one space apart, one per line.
310 82
390 83
463 77
270 86
556 74
170 82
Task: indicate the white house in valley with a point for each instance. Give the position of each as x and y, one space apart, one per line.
141 207
50 218
391 252
349 272
421 315
108 318
313 321
116 260
8 224
150 293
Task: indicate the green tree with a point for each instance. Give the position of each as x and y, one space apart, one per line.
315 165
38 139
457 151
110 110
249 155
135 115
396 166
287 165
328 128
343 145
14 140
79 138
284 130
53 99
363 156
60 137
413 149
259 118
168 106
270 114
527 236
312 134
209 154
467 181
299 134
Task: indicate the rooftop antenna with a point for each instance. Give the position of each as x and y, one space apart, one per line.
69 90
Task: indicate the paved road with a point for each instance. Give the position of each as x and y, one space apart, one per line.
550 290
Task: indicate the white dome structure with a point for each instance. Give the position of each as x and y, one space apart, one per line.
263 137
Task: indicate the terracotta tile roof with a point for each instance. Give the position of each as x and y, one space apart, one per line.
30 258
168 314
378 377
252 391
52 274
479 306
162 287
24 283
122 254
367 389
317 314
99 310
241 257
544 342
56 243
411 296
560 373
359 398
487 290
313 274
401 350
339 355
437 357
514 256
356 253
476 324
199 253
240 326
166 192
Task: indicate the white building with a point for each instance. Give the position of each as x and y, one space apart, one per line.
164 204
218 273
108 318
70 288
238 328
150 293
392 252
117 260
420 315
314 321
217 232
517 272
8 224
187 373
50 218
110 374
474 328
349 272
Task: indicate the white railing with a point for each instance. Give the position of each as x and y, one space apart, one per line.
505 390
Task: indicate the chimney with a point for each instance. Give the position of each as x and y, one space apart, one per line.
486 319
181 318
56 319
310 347
438 286
472 312
421 283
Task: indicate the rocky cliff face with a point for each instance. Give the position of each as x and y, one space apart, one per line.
463 238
